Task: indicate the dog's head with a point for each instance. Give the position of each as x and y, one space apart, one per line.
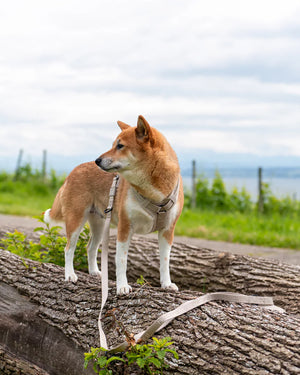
132 149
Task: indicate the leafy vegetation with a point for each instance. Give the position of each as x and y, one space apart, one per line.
216 197
49 248
148 357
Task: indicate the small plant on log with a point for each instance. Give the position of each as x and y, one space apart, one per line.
149 357
101 361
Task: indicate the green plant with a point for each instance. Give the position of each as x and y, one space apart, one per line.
18 243
142 281
49 249
101 362
218 193
52 243
149 357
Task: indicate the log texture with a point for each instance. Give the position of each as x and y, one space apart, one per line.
206 270
47 324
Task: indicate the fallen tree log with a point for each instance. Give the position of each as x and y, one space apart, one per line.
48 324
206 270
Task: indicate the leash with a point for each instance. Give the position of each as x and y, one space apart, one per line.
164 319
104 257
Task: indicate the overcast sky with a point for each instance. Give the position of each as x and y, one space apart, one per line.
217 76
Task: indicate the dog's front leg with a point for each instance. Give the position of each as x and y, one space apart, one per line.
121 266
165 240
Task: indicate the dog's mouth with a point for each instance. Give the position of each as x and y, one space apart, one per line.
107 167
112 169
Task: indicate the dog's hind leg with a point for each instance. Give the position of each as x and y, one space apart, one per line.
74 226
96 225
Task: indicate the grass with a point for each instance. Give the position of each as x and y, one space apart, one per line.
248 228
30 194
24 204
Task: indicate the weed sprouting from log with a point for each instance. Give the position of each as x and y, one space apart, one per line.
148 357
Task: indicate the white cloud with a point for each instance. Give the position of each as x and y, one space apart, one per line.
287 144
222 76
217 141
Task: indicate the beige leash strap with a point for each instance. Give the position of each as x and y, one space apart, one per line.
166 318
104 257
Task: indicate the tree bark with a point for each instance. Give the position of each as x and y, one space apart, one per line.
206 270
47 324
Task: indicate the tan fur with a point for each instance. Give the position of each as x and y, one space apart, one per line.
87 186
146 162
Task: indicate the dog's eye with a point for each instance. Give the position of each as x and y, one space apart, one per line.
119 146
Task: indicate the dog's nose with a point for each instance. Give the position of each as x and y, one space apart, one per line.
98 161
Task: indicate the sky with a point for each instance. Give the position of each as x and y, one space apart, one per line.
221 79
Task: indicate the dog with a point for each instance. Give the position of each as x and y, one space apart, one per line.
149 198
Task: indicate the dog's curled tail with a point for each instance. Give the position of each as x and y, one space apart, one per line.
54 214
47 217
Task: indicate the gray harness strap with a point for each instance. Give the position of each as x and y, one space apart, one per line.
158 211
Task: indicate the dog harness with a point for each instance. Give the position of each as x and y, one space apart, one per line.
159 211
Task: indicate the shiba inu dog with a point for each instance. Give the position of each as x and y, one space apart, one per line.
149 198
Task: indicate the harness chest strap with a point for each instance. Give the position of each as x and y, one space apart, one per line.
158 211
166 318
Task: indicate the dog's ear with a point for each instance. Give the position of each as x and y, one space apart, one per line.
122 125
143 130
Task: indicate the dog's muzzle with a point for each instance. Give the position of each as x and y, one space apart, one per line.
106 164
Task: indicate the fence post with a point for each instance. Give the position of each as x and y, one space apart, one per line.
193 202
44 165
18 164
260 192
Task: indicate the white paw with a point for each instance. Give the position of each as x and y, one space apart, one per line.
71 277
124 289
170 286
95 273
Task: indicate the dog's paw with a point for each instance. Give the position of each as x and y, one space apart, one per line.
171 286
95 273
72 277
124 289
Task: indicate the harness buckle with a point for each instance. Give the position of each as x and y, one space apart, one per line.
164 208
108 209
